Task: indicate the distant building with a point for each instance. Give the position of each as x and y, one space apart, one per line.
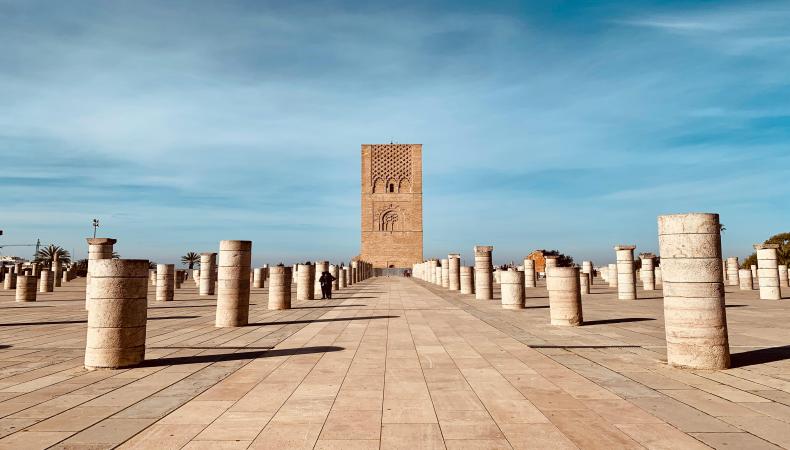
540 260
12 259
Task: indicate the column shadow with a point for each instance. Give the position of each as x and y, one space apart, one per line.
337 319
176 360
621 320
760 356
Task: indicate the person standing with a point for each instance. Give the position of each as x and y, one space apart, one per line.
326 285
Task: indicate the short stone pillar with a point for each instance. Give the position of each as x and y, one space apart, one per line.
659 278
782 275
259 278
305 285
26 288
118 314
178 278
584 283
57 271
349 279
745 280
208 263
342 277
467 280
587 267
648 273
530 278
335 272
233 283
165 282
551 261
320 268
512 285
454 272
355 271
753 269
98 248
152 277
484 278
445 282
565 300
279 287
432 264
612 275
768 271
695 319
626 275
47 281
438 275
66 277
10 279
732 271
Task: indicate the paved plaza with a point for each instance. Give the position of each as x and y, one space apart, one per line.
392 363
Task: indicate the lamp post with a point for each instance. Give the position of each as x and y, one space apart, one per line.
95 226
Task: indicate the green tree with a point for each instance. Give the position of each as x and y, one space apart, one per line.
191 259
46 255
782 253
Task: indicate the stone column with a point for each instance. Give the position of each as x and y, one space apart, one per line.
152 277
659 277
768 272
342 277
165 282
10 279
335 272
445 283
732 271
694 315
467 280
47 281
98 248
355 271
57 271
530 280
208 262
437 275
320 267
648 273
782 275
626 276
258 278
305 288
454 272
484 278
745 280
178 278
279 287
512 285
587 267
347 272
26 288
565 300
65 277
551 261
432 264
584 283
233 283
612 275
118 314
753 269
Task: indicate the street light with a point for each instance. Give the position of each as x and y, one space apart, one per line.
95 226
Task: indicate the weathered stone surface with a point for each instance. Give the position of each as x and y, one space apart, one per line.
694 314
117 317
233 283
484 277
647 273
279 287
46 281
454 272
565 300
391 205
745 281
165 282
26 288
768 271
467 280
626 273
732 271
512 287
305 286
98 248
530 277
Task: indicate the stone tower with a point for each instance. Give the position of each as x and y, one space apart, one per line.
391 205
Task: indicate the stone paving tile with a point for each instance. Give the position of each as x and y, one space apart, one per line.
411 366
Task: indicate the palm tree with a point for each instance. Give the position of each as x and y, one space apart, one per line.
191 259
47 254
115 255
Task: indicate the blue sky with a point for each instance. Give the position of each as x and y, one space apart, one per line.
545 124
